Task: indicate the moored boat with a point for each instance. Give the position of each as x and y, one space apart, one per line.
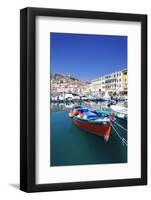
98 123
105 98
120 111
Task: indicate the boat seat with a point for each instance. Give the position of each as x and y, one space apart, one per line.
90 115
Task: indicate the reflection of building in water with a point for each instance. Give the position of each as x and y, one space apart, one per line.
114 83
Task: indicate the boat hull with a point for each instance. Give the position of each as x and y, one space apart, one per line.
95 128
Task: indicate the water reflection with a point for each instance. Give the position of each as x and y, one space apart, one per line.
100 106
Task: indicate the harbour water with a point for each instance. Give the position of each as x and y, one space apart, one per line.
70 145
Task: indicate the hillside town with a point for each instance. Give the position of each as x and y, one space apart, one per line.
67 87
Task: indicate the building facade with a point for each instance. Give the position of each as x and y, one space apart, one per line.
110 84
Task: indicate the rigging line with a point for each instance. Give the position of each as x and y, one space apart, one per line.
122 139
120 126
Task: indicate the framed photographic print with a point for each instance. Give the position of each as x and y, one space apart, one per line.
83 99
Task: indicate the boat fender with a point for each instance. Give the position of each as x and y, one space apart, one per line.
70 115
75 112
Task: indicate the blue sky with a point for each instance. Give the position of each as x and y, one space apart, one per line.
85 56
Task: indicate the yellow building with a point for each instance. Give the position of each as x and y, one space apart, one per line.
125 80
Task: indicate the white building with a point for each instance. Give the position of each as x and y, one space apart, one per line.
110 83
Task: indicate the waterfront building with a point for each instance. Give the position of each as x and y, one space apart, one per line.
85 88
96 86
125 80
110 84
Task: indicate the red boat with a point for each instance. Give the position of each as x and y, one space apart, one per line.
92 121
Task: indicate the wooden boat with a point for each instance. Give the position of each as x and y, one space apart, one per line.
92 121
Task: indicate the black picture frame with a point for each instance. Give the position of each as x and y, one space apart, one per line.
28 99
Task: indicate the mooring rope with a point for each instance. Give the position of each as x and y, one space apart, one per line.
122 139
125 140
120 126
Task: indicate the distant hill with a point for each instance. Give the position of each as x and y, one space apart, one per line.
64 78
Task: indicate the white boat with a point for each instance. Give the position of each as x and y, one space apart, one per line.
123 98
68 97
61 98
120 111
105 98
54 99
91 98
84 98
